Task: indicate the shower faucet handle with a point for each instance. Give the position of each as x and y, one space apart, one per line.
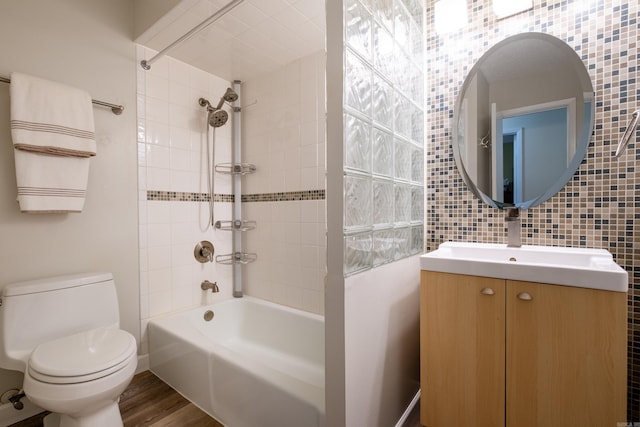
203 252
207 253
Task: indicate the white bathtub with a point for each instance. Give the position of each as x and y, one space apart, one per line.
254 364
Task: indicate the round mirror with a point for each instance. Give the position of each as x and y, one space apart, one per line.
523 120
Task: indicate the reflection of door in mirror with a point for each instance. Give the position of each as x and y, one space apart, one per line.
497 192
512 165
507 167
547 141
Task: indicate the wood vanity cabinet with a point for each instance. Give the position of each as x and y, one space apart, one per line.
498 353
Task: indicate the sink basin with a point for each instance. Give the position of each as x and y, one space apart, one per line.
584 268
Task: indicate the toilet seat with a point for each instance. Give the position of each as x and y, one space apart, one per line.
82 357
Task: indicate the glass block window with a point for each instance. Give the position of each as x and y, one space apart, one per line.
383 132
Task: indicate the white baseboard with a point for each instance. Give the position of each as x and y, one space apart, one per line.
143 363
407 412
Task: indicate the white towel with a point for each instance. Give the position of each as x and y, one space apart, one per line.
53 135
50 117
50 184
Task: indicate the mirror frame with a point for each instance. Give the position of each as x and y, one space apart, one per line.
582 144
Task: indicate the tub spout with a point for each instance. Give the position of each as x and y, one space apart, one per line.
206 285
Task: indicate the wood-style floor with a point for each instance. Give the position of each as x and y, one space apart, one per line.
149 402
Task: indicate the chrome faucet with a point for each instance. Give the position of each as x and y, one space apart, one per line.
513 228
206 285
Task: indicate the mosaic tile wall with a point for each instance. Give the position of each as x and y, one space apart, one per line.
600 206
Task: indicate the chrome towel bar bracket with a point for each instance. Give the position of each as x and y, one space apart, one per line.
628 133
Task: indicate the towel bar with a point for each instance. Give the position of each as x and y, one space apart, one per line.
116 109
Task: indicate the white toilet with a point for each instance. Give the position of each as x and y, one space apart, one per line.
63 333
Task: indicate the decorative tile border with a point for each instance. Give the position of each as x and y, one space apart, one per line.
285 196
178 196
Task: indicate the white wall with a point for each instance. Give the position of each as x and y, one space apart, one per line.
544 142
87 44
147 12
382 335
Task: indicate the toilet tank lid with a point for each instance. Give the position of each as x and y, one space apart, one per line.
54 283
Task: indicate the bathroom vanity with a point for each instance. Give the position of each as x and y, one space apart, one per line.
497 350
524 336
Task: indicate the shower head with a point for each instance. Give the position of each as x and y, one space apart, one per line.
229 96
217 118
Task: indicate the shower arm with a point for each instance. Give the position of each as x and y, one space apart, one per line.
220 103
205 103
146 63
229 96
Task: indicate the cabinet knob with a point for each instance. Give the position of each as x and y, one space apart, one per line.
487 291
525 296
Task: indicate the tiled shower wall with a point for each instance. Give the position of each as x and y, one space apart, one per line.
172 184
284 136
600 206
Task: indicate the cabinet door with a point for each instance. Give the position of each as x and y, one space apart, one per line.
462 349
566 356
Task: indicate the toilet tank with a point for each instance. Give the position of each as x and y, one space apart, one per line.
37 311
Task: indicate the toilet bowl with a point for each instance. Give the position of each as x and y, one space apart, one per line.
81 377
76 362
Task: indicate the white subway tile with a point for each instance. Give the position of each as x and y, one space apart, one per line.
157 132
159 258
144 259
157 110
309 133
142 182
179 72
157 88
182 254
309 178
159 280
142 210
180 159
158 156
158 235
144 308
158 179
158 212
180 116
181 298
292 180
159 303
